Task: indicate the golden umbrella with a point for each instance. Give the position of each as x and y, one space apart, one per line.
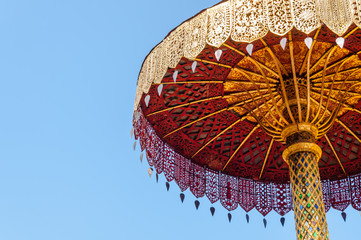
251 95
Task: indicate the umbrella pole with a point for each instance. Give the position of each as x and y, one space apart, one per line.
308 206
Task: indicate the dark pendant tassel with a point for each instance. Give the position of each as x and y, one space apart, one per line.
212 209
182 197
196 202
247 218
157 177
283 221
229 217
343 214
167 185
264 222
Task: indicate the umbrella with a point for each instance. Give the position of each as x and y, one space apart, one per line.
256 104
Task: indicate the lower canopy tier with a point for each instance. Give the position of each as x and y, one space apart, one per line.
235 191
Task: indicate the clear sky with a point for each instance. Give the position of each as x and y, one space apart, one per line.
68 72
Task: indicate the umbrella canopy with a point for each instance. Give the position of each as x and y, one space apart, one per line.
223 95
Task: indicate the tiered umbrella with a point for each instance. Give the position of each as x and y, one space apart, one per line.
256 103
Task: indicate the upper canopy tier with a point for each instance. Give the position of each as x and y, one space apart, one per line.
243 21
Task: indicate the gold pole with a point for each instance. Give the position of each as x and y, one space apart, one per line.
308 206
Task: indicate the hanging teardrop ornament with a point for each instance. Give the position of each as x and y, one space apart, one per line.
141 157
283 43
283 221
196 203
160 89
175 75
146 100
212 209
343 214
182 196
150 172
134 145
194 66
229 217
156 177
218 54
247 218
167 186
264 222
308 42
340 41
132 133
249 49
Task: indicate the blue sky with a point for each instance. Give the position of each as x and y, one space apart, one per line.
68 72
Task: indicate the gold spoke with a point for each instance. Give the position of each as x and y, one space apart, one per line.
214 63
277 61
240 146
266 158
217 136
346 58
245 71
309 52
349 130
251 91
329 50
246 56
295 82
184 105
337 90
323 81
186 82
338 82
248 82
195 121
316 80
334 153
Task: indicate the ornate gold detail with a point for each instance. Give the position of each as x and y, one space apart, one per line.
249 20
336 15
280 20
301 127
195 36
219 24
301 147
175 43
306 15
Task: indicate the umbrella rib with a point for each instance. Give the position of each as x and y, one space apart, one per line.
195 121
217 136
330 49
266 158
277 61
339 82
184 105
335 63
295 82
349 130
248 82
330 91
309 52
341 91
240 146
214 63
244 55
186 82
322 88
316 80
334 152
244 71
